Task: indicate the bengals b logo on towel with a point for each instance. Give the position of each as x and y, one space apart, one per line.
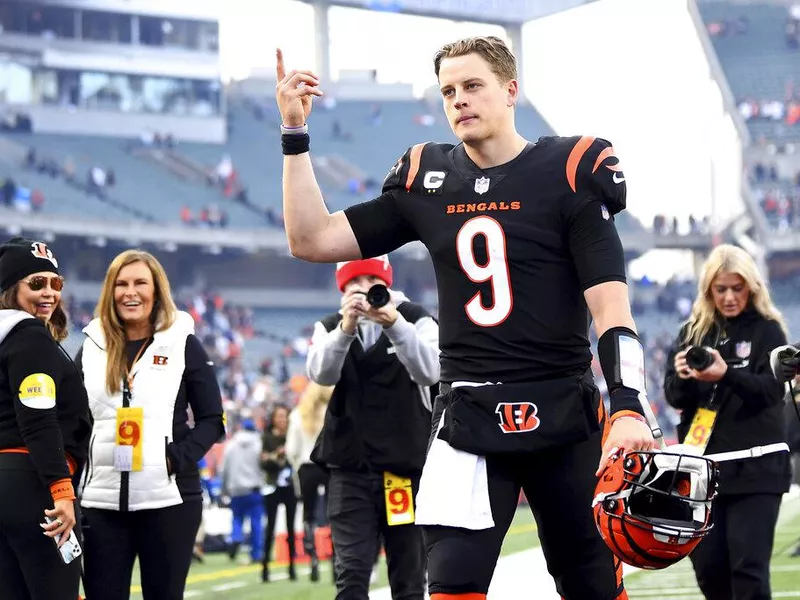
517 417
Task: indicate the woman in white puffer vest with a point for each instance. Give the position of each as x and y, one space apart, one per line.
144 369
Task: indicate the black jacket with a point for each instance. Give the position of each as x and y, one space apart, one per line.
376 419
28 419
750 401
273 466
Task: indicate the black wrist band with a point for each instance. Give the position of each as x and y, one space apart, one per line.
295 144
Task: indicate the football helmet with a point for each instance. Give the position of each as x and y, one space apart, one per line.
652 508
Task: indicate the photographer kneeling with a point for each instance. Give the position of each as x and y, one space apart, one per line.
732 410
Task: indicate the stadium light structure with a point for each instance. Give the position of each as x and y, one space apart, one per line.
495 12
510 14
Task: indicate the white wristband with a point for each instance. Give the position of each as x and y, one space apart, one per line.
294 130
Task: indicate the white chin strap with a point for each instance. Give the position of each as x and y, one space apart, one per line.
652 422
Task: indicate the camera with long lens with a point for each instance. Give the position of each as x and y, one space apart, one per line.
378 295
698 358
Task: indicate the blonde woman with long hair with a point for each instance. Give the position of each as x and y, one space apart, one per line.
305 424
732 410
144 369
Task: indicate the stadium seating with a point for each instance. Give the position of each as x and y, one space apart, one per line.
750 41
139 182
367 143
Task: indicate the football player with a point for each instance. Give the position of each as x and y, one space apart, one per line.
523 242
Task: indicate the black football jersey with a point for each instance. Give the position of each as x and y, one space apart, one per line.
513 247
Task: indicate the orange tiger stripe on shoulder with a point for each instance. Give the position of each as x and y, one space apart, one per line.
413 166
575 157
606 153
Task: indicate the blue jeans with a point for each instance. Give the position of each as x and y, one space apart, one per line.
249 506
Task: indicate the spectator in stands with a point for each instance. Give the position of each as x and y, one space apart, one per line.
732 410
792 32
265 388
22 199
8 192
280 486
68 169
338 132
96 181
186 215
381 362
305 424
111 177
37 200
223 170
30 158
144 370
242 481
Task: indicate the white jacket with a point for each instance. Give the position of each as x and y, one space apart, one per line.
299 444
155 389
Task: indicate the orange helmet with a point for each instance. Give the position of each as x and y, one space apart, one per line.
653 508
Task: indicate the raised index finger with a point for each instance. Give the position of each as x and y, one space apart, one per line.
280 70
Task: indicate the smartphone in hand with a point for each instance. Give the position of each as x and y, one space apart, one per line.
71 549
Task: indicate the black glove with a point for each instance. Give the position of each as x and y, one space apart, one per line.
785 362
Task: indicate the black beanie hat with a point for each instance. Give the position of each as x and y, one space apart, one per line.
20 257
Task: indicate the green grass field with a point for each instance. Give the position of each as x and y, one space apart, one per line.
219 576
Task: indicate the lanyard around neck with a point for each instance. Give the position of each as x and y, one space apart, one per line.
128 370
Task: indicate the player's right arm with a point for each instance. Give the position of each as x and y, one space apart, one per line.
313 233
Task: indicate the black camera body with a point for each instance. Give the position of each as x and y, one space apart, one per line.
698 358
378 296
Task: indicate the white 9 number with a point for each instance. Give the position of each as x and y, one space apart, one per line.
495 270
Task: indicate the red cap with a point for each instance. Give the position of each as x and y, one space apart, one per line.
378 267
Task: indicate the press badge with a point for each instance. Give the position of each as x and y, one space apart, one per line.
399 499
701 428
128 443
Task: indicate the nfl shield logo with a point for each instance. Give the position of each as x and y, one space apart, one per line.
604 212
743 349
482 185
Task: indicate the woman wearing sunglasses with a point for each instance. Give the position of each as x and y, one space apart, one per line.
45 426
144 368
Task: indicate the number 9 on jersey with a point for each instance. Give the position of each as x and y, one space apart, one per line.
494 270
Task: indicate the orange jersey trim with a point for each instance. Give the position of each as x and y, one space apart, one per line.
71 464
574 159
62 490
413 165
628 413
607 153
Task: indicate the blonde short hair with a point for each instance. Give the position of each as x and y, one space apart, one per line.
490 48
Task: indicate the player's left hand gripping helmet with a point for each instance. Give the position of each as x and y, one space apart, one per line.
653 508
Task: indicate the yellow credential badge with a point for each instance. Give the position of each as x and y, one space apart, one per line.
399 499
701 428
130 428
